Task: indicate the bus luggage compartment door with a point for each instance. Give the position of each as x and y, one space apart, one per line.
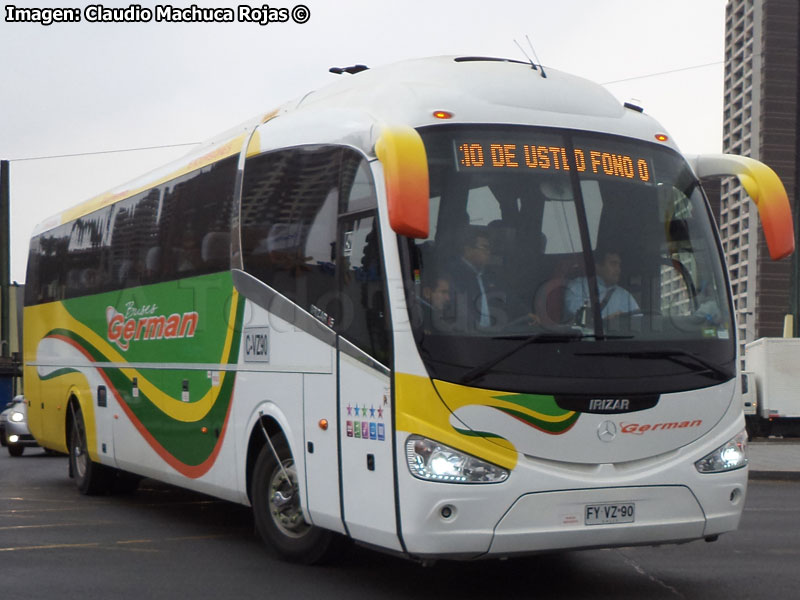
322 450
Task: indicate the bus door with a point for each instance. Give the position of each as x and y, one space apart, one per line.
321 449
368 499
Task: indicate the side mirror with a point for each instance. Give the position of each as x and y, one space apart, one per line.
405 169
765 190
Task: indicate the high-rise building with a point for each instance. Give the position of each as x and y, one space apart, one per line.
761 119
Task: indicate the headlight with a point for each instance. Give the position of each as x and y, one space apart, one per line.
728 457
17 417
432 461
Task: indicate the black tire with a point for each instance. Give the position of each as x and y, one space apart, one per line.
276 509
91 478
16 449
124 482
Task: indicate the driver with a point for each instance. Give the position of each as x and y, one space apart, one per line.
614 299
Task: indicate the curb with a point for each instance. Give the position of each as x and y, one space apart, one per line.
775 475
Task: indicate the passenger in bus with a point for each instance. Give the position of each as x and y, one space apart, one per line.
187 256
615 301
152 265
473 288
435 302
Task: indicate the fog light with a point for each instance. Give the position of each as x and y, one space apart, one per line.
13 439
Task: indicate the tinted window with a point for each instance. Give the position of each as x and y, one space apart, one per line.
290 201
361 265
363 318
307 214
542 238
178 229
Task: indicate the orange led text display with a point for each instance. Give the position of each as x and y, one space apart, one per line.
499 155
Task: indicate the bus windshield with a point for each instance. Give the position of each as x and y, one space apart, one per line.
558 259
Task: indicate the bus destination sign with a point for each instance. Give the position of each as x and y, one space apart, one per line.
473 155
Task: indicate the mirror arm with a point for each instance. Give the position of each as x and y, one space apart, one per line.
765 189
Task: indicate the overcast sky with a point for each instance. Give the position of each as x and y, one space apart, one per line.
74 88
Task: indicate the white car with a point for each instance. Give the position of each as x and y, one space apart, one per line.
14 432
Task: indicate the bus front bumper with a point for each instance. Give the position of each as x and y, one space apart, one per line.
573 519
561 520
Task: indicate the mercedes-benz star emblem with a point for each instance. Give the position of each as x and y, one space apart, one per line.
607 431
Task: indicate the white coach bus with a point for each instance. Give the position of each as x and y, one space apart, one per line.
456 307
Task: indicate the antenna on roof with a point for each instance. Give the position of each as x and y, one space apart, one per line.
544 75
521 49
352 70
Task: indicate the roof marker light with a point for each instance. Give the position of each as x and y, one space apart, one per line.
661 137
442 114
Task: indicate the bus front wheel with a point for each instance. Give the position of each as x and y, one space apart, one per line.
278 515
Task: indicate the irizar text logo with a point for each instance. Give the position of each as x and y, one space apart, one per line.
609 404
141 323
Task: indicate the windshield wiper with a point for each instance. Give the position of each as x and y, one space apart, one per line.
672 354
536 338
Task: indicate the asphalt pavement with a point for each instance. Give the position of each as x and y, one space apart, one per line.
774 458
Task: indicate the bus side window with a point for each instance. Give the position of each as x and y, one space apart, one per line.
135 258
87 260
46 279
194 205
363 318
363 314
288 223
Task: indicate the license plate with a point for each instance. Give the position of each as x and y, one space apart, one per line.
606 514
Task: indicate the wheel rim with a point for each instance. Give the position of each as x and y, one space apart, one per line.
79 450
284 501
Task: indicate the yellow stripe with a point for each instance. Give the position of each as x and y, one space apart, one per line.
420 410
227 149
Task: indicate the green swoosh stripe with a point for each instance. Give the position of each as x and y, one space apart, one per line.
545 405
475 433
58 373
184 441
547 426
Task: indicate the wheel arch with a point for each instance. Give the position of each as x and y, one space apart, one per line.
73 404
256 442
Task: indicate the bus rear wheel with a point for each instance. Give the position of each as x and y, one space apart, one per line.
91 478
278 516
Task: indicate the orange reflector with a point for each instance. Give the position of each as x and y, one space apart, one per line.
323 424
204 430
442 114
661 137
